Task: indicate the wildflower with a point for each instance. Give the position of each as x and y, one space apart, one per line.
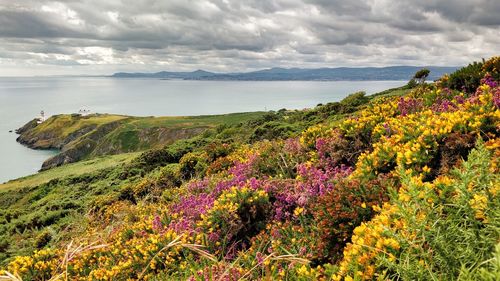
479 204
298 211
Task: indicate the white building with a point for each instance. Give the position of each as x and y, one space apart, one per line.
42 117
84 111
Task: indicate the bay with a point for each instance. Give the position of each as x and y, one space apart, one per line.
22 99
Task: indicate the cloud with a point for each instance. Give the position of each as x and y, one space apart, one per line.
94 36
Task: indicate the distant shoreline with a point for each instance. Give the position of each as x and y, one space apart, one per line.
394 73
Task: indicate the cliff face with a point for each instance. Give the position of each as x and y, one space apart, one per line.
82 137
60 130
28 126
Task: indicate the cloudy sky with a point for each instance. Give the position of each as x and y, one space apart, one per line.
40 37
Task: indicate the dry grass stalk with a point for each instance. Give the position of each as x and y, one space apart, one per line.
10 277
176 242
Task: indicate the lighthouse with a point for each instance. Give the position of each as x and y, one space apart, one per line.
41 119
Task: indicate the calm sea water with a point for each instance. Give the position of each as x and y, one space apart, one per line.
21 100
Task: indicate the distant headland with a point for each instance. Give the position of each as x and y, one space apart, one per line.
300 74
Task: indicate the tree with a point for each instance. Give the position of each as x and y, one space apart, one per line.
421 75
412 83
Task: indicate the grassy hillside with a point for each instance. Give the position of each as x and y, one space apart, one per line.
70 170
45 208
83 137
400 186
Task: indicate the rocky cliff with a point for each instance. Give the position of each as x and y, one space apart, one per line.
82 137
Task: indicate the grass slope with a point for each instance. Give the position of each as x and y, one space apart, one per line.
83 137
398 186
43 209
70 170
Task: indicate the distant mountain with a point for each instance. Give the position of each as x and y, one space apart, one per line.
165 75
301 74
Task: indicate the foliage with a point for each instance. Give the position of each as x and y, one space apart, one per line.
431 230
273 130
347 205
466 79
353 101
401 187
421 75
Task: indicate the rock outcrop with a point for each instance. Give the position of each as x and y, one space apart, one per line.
83 137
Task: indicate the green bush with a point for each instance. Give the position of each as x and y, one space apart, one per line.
193 164
411 84
273 130
170 176
467 78
353 101
456 238
217 149
42 239
421 75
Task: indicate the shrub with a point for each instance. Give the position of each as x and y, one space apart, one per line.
151 159
409 105
276 159
467 78
236 216
352 102
142 188
217 149
458 236
430 230
4 244
170 176
329 109
193 164
343 208
219 165
411 84
339 150
492 67
421 75
43 239
451 150
267 117
273 130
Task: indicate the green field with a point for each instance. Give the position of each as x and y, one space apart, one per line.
85 137
69 170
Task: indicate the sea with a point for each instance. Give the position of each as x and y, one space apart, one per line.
22 99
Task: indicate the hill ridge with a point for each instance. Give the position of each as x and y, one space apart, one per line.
299 74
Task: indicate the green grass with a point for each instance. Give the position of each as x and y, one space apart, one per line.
59 127
392 92
66 124
193 121
74 169
86 137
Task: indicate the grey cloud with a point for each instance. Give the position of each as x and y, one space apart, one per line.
341 7
25 24
481 12
248 34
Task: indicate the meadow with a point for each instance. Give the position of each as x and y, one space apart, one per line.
402 185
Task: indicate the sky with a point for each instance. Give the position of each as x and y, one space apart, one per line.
40 37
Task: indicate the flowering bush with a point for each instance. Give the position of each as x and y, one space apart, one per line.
236 216
415 236
394 191
344 207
